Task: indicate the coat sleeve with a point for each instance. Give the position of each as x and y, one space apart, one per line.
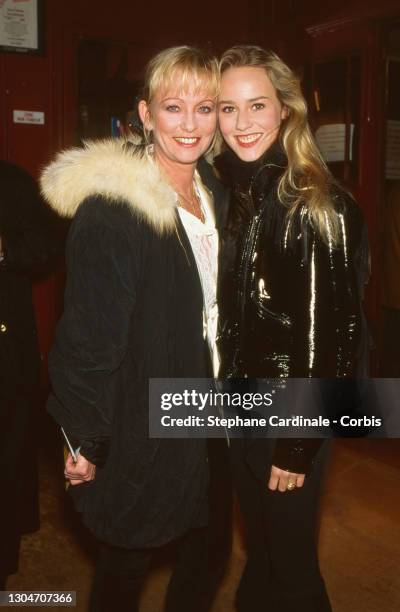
351 276
31 234
103 263
327 319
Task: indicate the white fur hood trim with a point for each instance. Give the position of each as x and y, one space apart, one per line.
109 169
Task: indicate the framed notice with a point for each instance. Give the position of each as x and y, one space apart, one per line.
21 26
331 140
393 150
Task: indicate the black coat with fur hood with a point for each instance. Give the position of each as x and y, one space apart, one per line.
133 310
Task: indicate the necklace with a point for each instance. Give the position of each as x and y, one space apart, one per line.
193 204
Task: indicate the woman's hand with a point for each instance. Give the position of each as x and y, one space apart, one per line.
282 480
79 472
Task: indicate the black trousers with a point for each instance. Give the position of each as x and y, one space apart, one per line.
202 556
282 572
19 507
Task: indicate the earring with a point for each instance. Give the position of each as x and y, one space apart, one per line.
147 135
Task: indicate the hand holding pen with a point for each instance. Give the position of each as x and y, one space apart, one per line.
77 469
80 470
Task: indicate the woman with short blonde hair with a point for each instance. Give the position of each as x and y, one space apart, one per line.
141 250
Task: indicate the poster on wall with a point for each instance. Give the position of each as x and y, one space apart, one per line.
20 26
393 150
331 140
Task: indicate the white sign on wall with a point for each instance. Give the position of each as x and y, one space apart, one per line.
19 25
393 150
32 117
331 140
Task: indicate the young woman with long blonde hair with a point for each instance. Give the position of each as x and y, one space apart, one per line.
289 307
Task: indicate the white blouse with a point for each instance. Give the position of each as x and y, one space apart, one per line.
203 239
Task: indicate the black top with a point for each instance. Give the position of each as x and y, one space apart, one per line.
290 303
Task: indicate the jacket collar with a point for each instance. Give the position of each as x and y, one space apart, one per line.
117 173
242 175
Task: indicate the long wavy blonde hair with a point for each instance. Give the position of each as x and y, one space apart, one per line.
306 180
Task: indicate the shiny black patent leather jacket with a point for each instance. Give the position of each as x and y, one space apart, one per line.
289 302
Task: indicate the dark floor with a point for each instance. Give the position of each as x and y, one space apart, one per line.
359 538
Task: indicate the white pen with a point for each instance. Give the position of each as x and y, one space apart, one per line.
74 453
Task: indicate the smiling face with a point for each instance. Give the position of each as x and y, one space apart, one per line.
183 124
250 113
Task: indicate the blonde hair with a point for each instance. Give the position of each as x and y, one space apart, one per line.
306 180
177 67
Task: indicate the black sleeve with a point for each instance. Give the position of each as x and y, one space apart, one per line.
328 320
296 454
103 263
327 316
351 261
31 233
